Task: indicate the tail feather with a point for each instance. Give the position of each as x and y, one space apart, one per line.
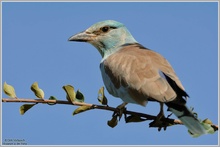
187 118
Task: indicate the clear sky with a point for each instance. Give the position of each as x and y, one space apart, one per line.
35 48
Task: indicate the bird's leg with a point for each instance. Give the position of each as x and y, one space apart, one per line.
122 106
157 121
120 110
161 113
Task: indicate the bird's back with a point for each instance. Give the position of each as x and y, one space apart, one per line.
140 74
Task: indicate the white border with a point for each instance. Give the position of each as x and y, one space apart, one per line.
103 1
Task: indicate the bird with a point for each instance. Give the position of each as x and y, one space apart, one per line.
137 74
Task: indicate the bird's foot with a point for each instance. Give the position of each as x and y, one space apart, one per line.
120 110
158 122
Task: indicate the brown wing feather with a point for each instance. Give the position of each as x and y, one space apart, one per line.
139 70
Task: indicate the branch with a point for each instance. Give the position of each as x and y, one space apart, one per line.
164 122
93 106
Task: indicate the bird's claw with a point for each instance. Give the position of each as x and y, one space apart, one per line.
169 115
159 123
120 109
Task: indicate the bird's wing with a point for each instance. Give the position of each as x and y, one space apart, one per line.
144 72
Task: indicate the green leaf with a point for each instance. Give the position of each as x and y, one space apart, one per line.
207 121
37 91
101 97
193 135
52 98
113 122
209 129
207 124
24 108
79 96
9 90
81 109
70 93
134 118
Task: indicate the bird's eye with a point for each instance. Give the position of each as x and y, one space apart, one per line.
105 29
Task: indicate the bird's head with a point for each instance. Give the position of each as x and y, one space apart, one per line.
107 36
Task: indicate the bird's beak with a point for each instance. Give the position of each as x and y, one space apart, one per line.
82 37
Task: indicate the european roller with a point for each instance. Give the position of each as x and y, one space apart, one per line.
137 74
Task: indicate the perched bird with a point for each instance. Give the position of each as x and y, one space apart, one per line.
137 74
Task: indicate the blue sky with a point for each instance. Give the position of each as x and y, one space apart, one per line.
35 48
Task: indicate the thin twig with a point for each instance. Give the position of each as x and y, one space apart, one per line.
168 121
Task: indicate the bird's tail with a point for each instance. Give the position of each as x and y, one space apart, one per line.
187 117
